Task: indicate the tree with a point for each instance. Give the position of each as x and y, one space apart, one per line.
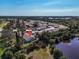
35 24
7 55
20 56
57 53
52 45
45 38
66 38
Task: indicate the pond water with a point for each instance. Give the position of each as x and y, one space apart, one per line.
70 50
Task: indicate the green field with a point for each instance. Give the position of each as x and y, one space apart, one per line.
3 24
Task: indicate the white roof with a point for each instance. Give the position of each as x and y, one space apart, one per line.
51 28
28 30
1 29
14 30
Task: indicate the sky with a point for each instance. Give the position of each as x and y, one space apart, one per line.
39 7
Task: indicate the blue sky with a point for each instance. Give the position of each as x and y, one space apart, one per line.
39 7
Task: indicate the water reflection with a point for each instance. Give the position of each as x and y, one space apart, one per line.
70 50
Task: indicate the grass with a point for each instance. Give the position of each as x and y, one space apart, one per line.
26 45
43 52
3 24
1 52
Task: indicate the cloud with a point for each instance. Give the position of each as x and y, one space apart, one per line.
56 12
40 12
52 3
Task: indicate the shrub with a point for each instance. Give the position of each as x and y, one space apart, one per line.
57 53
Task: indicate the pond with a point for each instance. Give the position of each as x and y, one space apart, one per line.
70 50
